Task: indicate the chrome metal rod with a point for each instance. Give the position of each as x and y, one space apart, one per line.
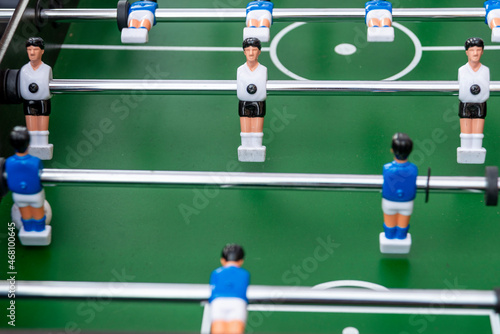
9 32
274 87
257 293
273 180
279 14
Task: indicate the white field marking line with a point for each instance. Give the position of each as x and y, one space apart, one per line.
274 47
350 283
367 310
153 48
416 57
495 322
456 48
206 322
282 68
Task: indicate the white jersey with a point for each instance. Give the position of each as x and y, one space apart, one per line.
467 78
41 77
257 77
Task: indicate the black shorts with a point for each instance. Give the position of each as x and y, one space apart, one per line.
37 108
472 110
252 108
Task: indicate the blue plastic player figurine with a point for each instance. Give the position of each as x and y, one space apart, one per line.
259 20
492 18
141 17
228 301
22 172
398 192
378 18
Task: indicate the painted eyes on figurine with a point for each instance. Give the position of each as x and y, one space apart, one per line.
33 88
251 89
475 89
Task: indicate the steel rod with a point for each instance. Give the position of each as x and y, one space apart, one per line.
279 14
9 32
255 294
273 180
274 87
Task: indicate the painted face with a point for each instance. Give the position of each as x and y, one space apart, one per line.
474 54
34 53
252 53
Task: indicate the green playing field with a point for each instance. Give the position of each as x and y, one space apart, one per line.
175 234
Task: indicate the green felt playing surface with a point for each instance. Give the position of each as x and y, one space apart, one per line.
175 234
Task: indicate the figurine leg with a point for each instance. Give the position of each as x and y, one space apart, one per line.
374 22
265 23
133 23
245 124
146 24
257 124
253 23
235 327
495 22
386 22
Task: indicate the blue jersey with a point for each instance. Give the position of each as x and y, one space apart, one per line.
144 5
378 4
260 5
23 174
400 181
489 6
229 281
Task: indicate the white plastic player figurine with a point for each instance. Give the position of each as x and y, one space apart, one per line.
251 90
492 18
34 80
378 18
31 212
141 17
259 20
474 91
398 192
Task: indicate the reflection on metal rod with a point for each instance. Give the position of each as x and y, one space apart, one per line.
279 14
274 87
274 294
274 180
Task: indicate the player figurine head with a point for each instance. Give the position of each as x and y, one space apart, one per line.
251 49
474 48
20 139
401 146
232 253
35 46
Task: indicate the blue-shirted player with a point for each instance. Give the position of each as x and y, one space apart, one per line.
399 188
228 301
141 18
492 18
378 18
259 18
23 172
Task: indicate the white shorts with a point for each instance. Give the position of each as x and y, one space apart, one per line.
494 13
378 14
228 309
259 14
391 208
140 15
35 200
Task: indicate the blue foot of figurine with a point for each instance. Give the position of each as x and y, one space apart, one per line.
34 238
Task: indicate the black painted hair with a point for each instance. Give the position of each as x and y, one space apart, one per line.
20 139
474 41
251 41
401 146
233 252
